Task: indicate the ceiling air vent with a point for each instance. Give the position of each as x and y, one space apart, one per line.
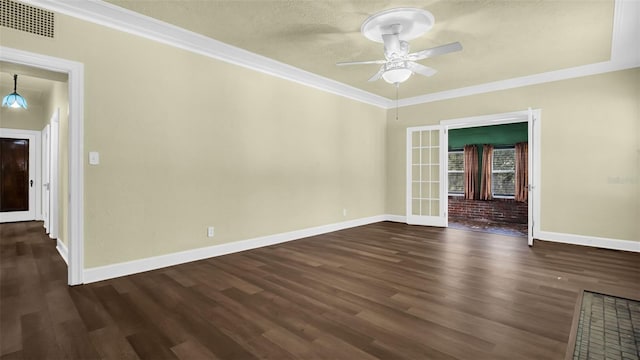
27 18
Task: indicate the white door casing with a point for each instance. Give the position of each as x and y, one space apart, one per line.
34 175
54 183
533 117
46 176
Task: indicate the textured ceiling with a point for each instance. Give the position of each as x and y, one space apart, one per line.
501 39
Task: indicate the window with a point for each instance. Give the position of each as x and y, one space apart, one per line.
503 172
456 172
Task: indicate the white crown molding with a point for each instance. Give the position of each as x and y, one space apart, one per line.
625 51
115 17
625 54
564 74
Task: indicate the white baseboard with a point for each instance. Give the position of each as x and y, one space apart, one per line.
396 218
137 266
606 243
62 250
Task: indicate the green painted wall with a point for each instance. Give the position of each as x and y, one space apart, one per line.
497 135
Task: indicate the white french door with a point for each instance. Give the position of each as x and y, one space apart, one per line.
426 182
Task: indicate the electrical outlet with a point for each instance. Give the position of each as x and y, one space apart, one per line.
210 231
344 212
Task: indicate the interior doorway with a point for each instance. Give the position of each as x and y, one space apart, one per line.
493 155
502 161
427 180
19 178
72 199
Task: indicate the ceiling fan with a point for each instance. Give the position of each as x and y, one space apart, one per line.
395 28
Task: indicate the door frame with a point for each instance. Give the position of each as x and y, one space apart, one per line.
75 198
54 209
533 118
35 169
45 176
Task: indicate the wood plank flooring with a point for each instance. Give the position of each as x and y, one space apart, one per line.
381 291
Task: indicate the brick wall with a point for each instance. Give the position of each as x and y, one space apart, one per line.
500 210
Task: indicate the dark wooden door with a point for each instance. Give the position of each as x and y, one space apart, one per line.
14 175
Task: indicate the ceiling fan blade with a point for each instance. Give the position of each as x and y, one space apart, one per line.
435 51
378 75
361 62
420 69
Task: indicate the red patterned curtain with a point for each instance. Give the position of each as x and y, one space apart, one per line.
487 161
522 171
470 172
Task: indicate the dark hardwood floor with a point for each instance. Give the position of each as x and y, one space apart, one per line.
386 291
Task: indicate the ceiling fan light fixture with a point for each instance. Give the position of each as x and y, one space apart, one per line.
394 28
396 76
14 100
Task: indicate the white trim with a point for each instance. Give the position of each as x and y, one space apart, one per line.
536 169
564 74
592 241
136 266
605 243
62 250
625 40
45 175
625 54
395 218
486 120
35 174
75 198
54 208
118 18
624 51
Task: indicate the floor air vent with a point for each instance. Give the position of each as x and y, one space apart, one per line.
27 18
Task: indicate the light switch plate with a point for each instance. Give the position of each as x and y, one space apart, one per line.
94 158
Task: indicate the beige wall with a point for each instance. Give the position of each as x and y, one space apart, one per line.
590 149
186 142
31 119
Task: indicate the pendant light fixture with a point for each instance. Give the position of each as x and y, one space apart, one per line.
14 100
